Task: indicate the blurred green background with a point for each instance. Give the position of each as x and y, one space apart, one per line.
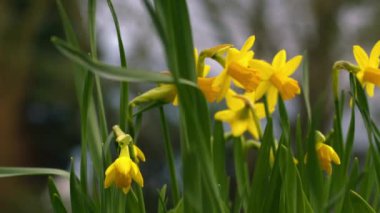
39 116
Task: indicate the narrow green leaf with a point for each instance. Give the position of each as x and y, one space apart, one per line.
241 171
358 204
262 171
27 171
162 200
284 120
169 157
219 155
108 71
305 85
77 200
55 197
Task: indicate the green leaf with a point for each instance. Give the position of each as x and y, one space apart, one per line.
76 195
262 171
108 71
241 171
162 200
305 85
170 157
219 155
358 204
26 171
55 197
196 150
284 120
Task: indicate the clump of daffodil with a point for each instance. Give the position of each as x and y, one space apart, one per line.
369 74
236 68
326 154
275 78
123 170
243 114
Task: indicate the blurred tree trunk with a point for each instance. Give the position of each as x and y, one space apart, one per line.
21 23
320 60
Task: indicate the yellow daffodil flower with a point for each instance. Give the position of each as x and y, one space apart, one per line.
326 154
369 74
275 78
240 113
123 170
236 67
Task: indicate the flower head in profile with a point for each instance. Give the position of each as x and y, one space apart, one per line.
240 113
123 170
236 68
369 74
276 78
326 154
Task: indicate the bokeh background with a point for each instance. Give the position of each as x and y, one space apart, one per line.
39 116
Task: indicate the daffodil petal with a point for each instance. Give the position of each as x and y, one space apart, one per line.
126 189
260 110
292 65
361 56
264 69
136 175
262 89
110 177
123 165
222 83
224 115
238 127
370 89
252 128
248 44
233 102
139 154
279 59
374 56
272 96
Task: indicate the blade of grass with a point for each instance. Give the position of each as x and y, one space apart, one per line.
169 157
123 62
262 171
195 132
241 171
219 155
26 171
111 72
358 204
55 197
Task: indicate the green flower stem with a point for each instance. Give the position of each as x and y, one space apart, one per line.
218 58
101 111
170 157
341 65
241 171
